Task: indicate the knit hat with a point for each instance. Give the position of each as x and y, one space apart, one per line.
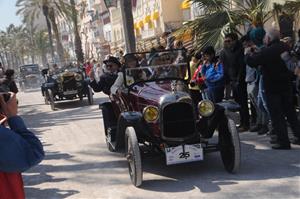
257 35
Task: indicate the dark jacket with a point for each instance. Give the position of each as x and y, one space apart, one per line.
234 64
276 76
10 84
104 84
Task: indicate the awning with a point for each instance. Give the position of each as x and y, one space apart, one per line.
136 26
186 4
155 16
147 19
141 24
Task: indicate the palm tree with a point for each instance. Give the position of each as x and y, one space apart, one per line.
289 10
31 10
78 45
222 16
41 45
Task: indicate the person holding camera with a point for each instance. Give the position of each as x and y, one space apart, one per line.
20 149
278 89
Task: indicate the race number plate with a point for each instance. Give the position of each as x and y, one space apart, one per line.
183 154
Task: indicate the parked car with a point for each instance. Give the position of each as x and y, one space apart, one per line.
29 76
65 83
154 111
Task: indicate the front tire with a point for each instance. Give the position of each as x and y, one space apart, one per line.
133 156
229 143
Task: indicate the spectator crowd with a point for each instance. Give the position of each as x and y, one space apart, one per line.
260 71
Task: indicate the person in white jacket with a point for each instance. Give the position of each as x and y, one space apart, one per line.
131 62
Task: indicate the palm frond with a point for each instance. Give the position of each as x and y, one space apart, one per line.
211 5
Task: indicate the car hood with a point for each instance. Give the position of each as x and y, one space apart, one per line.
154 93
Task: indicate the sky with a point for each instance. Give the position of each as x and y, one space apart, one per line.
8 14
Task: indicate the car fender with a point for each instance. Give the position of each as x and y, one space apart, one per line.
207 126
49 85
134 119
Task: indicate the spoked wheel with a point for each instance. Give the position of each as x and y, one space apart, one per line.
229 143
133 156
51 99
90 95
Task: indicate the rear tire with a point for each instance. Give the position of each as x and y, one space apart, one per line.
229 143
51 99
46 97
133 156
90 96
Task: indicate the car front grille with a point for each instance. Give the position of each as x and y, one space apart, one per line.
178 121
69 83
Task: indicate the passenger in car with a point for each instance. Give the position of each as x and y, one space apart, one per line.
107 79
131 62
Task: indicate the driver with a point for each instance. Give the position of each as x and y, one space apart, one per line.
107 79
131 62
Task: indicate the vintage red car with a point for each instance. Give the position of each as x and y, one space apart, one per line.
154 110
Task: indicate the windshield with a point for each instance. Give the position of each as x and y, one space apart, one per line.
155 66
29 69
62 69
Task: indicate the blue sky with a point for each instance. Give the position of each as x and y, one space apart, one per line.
8 14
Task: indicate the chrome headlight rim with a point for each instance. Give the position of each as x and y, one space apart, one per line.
147 108
78 77
207 102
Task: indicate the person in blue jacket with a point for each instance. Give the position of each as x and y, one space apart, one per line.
213 73
20 149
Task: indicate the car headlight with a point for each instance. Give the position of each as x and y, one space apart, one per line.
150 113
206 108
78 77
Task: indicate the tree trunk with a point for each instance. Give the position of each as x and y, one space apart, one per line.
78 45
59 46
127 18
2 59
44 58
7 61
46 14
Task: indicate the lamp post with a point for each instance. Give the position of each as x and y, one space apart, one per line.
127 19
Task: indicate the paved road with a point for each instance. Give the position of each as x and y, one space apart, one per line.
77 164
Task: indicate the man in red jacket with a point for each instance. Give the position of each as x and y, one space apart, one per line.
20 149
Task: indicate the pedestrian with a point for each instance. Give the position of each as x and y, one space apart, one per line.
257 35
169 40
232 58
20 150
193 86
278 89
9 82
213 73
